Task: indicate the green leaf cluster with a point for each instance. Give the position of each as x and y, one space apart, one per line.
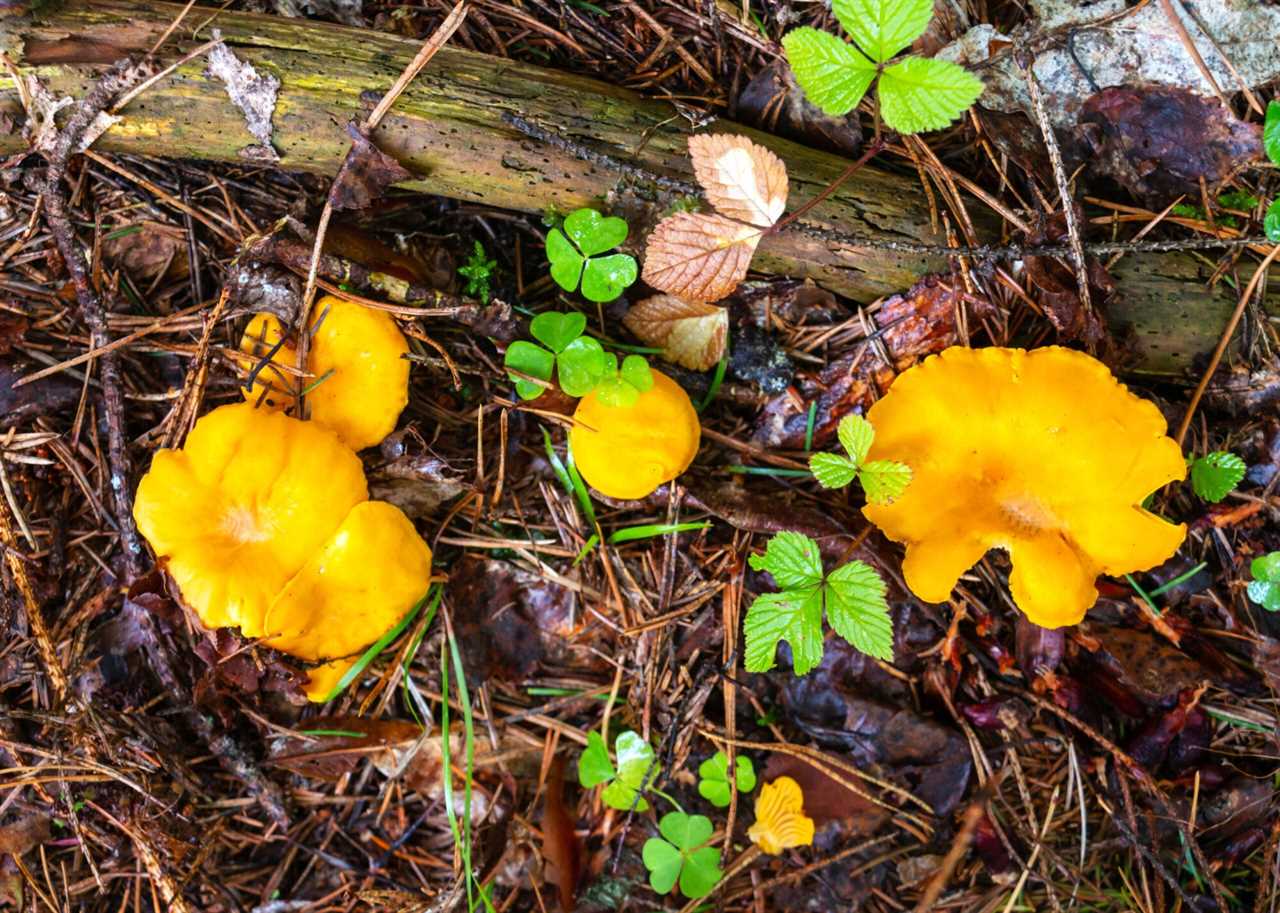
853 597
882 480
1264 588
1216 474
916 93
681 855
1271 143
573 250
580 363
713 784
478 270
624 783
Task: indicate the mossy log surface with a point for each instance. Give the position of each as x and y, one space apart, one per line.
448 128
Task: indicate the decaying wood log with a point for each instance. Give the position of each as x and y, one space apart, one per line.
452 129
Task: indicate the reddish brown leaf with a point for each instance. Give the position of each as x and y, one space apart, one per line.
559 842
742 180
691 333
366 173
699 256
24 835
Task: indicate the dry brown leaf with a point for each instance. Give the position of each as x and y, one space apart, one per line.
742 180
699 256
691 333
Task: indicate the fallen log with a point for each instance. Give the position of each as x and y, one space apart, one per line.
452 129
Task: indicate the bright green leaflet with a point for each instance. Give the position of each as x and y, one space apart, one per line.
1216 474
882 480
1271 132
713 773
557 329
1264 588
572 251
477 270
853 596
1271 221
581 366
680 856
531 359
635 771
621 387
578 360
916 93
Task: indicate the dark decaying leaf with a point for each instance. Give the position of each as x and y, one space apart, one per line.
257 288
44 397
12 330
1057 291
366 173
1039 650
762 513
1150 743
1159 141
911 326
148 251
25 834
774 102
417 484
1145 665
560 844
758 357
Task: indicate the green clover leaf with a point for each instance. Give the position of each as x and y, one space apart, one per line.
566 262
1271 132
572 252
594 233
636 772
882 28
556 329
1264 589
713 784
581 366
833 73
605 278
1271 221
530 359
680 855
621 388
594 766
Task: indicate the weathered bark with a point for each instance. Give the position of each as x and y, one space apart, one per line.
448 128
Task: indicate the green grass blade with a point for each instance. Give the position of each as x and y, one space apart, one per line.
648 531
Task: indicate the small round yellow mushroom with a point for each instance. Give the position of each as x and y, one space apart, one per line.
628 451
781 823
1042 453
359 378
264 524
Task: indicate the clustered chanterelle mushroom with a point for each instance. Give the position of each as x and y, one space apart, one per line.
264 521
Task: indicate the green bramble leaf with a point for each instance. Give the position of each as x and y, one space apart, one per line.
1264 589
920 93
856 436
556 329
594 766
580 366
566 262
531 359
858 611
713 773
1216 474
1271 132
594 233
883 481
1271 221
679 855
636 771
832 470
833 74
882 28
853 597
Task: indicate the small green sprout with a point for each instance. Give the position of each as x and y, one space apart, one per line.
1271 143
1215 475
635 771
852 595
1264 588
681 855
882 480
478 270
713 784
572 250
915 93
581 364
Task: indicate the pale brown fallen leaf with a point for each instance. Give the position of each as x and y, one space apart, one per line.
699 256
691 333
742 180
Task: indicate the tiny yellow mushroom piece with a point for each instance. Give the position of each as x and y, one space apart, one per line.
781 823
359 377
264 524
628 451
1042 453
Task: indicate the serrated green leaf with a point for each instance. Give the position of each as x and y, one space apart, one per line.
833 74
793 615
1216 474
636 371
531 359
856 436
593 232
884 480
1271 222
919 93
832 470
701 872
580 366
556 329
1271 132
566 262
664 863
594 766
858 611
605 278
793 560
882 28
